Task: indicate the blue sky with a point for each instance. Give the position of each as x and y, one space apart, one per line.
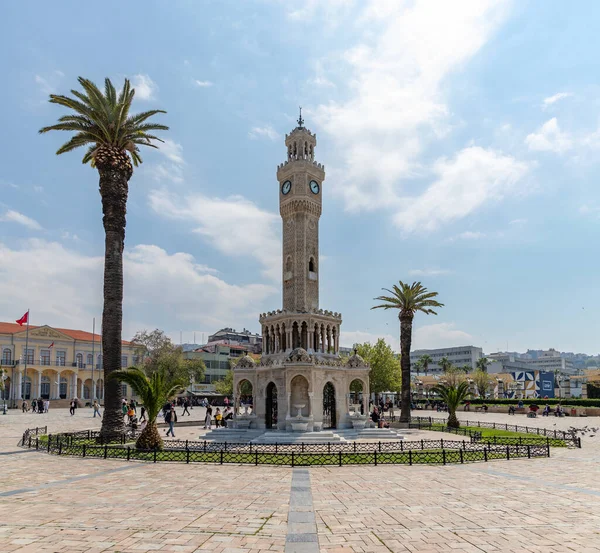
460 141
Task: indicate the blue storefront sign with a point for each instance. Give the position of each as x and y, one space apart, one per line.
546 384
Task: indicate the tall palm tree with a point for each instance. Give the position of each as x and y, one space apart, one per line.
154 391
445 364
482 364
452 396
418 366
408 299
102 122
425 362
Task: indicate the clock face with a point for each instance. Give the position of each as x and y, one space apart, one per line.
286 187
314 187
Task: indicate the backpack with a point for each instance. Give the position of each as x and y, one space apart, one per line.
168 416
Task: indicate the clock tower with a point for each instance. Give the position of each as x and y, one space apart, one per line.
300 199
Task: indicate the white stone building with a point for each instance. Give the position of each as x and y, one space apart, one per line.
458 356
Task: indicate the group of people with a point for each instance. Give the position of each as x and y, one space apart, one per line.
37 406
221 418
129 410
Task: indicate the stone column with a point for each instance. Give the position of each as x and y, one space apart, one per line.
311 341
80 396
277 345
289 406
322 340
93 390
19 389
310 403
73 390
38 388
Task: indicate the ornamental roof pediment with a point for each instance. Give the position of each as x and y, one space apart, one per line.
46 332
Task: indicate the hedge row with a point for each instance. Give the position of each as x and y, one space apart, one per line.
539 401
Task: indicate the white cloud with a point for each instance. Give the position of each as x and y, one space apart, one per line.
518 222
267 132
145 87
44 85
471 235
191 295
172 150
12 216
308 9
395 76
234 225
203 84
474 177
549 138
350 337
555 98
440 335
429 272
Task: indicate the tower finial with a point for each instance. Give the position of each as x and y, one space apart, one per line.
300 120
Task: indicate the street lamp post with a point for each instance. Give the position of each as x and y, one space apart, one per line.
4 377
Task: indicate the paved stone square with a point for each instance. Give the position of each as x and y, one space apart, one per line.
51 504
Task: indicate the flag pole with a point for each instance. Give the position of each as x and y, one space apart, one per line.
93 390
26 356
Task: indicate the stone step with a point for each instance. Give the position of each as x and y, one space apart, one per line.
231 435
274 437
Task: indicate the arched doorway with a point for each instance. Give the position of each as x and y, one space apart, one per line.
245 395
271 406
356 395
329 411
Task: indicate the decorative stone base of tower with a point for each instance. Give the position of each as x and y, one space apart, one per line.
302 392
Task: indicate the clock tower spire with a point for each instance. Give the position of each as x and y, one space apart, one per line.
300 199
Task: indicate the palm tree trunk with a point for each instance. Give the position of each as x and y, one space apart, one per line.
113 189
453 420
150 438
405 343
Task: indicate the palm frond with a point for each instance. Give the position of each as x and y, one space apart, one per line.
102 119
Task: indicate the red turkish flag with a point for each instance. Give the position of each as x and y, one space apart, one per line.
51 345
23 319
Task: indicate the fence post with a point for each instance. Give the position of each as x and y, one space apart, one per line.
379 446
555 433
401 446
340 457
507 453
302 447
250 447
485 454
221 456
84 449
106 452
29 443
579 442
275 447
422 445
442 443
547 441
354 446
461 456
225 446
89 434
529 452
329 446
547 451
49 442
187 453
37 443
59 447
155 455
410 457
256 458
444 456
520 440
128 452
292 458
375 452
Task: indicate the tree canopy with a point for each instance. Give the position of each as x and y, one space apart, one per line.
156 352
385 373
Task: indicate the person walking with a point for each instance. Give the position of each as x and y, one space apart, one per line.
226 402
24 407
171 419
186 404
208 418
96 406
124 408
72 407
218 418
46 405
142 414
33 405
40 405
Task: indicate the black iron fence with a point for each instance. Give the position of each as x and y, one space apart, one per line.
431 423
37 431
438 452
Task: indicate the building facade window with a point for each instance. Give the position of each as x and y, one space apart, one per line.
99 365
79 360
28 356
123 360
63 387
90 359
61 358
124 390
45 357
7 356
45 387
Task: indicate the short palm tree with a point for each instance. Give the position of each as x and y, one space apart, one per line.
408 299
482 364
153 391
102 122
452 396
418 366
445 364
425 360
